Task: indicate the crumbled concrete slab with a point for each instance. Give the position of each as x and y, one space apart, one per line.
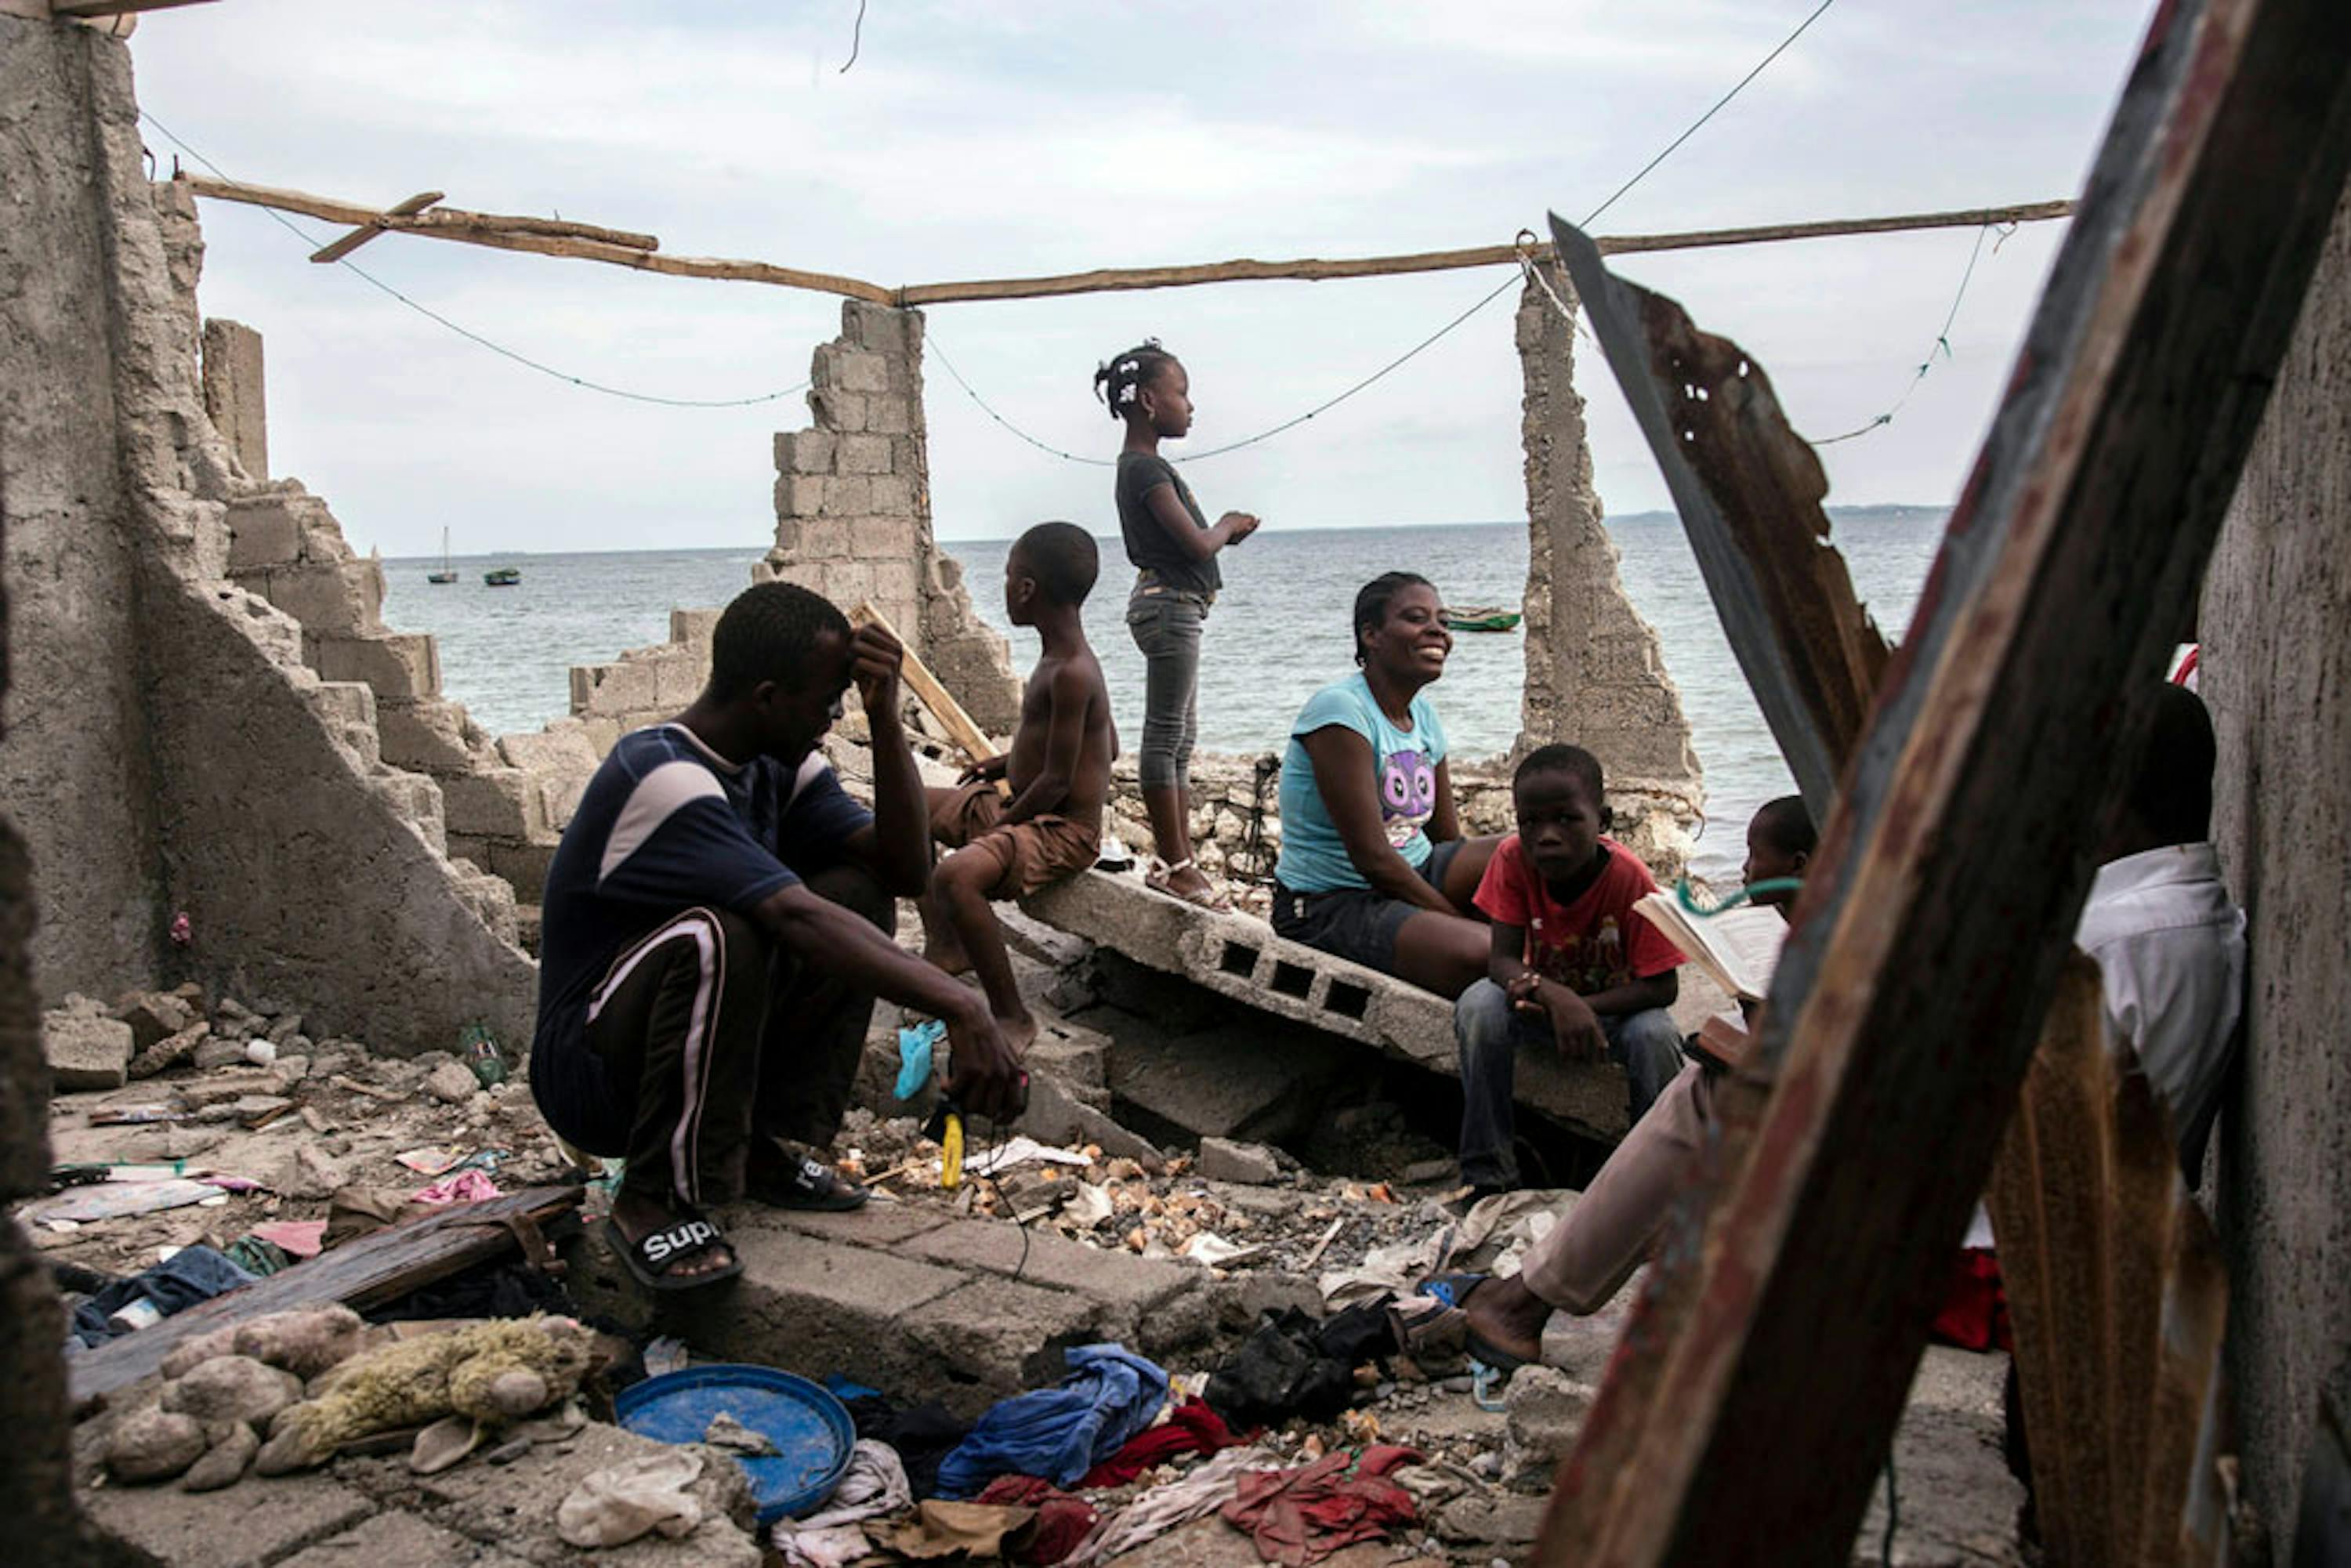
85 1051
1224 1083
1238 956
257 1521
405 1539
1129 1288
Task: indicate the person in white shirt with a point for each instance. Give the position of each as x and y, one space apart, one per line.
2170 944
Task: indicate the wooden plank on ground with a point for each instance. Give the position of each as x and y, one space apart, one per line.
1928 941
2118 1298
362 1273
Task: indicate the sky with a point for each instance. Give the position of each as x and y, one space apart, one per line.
986 140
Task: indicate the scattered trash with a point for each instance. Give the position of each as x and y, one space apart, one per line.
1062 1432
614 1505
1018 1150
478 1049
666 1354
461 1187
118 1200
726 1432
432 1162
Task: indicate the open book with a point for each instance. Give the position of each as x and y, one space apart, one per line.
1738 949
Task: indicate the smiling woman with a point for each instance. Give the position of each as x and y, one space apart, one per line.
1373 867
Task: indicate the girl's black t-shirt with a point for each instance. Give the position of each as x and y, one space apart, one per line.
1148 544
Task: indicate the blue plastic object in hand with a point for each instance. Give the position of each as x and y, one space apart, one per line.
915 1047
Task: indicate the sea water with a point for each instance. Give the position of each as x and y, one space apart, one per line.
1278 630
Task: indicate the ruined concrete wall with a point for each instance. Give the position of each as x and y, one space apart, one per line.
213 772
232 392
73 767
853 510
1596 674
2276 673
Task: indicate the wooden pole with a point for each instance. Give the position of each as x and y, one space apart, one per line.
968 737
337 249
1309 269
1747 1414
588 242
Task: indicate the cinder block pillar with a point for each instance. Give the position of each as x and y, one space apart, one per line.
232 392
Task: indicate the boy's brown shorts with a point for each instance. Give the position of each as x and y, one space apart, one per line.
1044 850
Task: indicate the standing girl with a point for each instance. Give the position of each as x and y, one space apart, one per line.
1173 548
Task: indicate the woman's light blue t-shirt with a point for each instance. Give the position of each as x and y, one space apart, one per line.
1403 762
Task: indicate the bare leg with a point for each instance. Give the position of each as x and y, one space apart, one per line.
1442 953
960 885
1170 807
1468 870
942 947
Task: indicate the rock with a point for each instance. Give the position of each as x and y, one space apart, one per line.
232 1388
171 1052
451 1083
1222 1159
225 1463
284 1029
221 1050
153 1015
154 1444
293 1069
1492 1518
1545 1409
85 1051
318 1175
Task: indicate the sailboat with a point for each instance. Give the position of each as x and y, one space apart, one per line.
447 574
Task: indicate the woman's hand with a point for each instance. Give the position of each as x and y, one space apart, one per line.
1238 525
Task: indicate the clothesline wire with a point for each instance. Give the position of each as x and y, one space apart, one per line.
1942 343
313 242
1427 342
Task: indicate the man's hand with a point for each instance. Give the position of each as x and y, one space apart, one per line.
875 659
986 772
1574 1027
987 1080
1238 525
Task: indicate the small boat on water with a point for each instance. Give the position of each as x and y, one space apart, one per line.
1481 618
448 573
502 577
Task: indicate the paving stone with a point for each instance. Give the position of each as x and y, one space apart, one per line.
257 1521
402 1539
995 1337
1127 1284
878 1224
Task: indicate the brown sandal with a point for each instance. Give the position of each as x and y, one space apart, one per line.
1161 878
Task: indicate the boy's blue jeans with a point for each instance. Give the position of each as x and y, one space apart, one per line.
1488 1032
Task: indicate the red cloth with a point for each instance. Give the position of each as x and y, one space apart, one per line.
1301 1516
1595 943
1974 1314
1061 1522
1191 1428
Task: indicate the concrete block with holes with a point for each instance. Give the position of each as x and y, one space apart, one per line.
1238 956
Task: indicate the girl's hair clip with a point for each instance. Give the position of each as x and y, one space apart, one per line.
1126 393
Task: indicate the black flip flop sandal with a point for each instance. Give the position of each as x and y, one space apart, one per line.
651 1257
807 1185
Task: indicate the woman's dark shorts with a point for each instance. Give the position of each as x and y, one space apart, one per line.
1354 923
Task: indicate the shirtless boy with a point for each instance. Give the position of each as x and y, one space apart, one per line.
1058 770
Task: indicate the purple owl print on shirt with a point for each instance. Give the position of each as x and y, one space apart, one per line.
1407 795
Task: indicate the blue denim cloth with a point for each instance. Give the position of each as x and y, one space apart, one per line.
1488 1033
190 1275
1166 628
1059 1433
1356 924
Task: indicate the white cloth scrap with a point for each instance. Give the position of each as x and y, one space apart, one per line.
874 1484
613 1506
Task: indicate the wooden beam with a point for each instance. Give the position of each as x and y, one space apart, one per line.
545 237
1747 1416
362 1273
1749 489
2119 1299
1312 270
87 10
337 249
968 736
588 242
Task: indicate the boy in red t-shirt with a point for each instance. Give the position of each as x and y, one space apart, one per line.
1571 965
